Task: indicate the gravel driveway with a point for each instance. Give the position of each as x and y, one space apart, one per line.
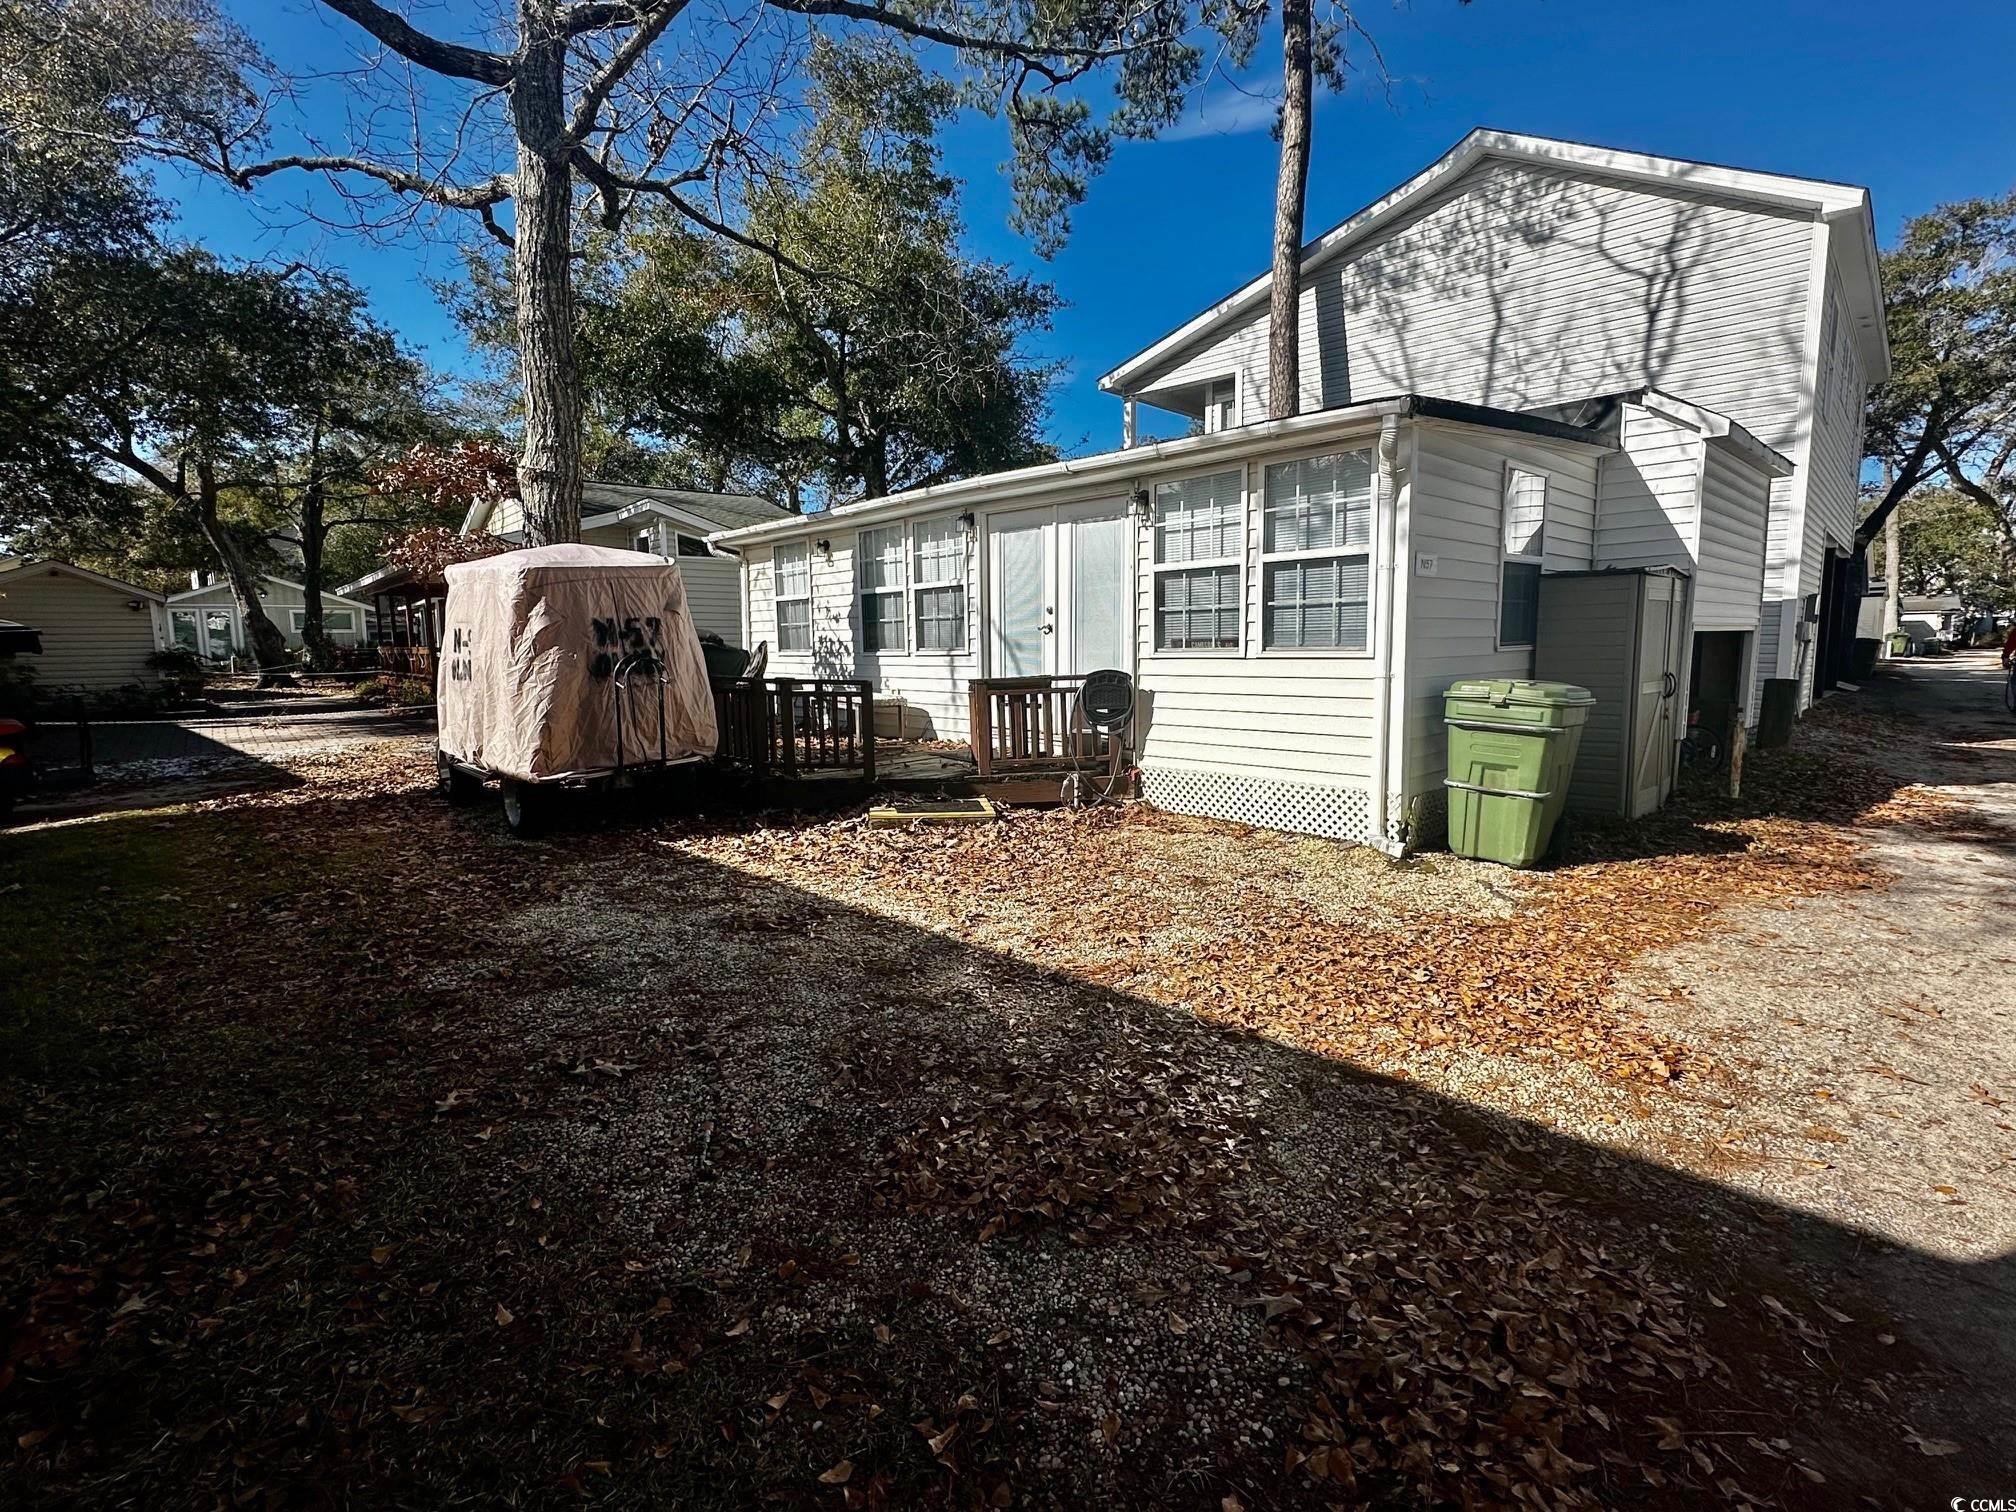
1873 1034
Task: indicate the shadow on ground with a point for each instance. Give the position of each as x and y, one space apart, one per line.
410 1165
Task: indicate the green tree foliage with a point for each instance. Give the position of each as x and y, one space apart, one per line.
1949 410
236 401
1952 544
875 356
82 84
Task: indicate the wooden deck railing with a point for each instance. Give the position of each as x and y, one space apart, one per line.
414 661
791 726
1023 722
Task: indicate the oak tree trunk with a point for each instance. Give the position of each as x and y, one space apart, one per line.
268 645
549 467
1284 367
314 533
320 654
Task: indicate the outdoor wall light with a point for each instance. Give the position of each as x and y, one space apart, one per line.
826 548
966 519
1144 505
135 604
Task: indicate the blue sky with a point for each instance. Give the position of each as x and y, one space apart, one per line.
1833 89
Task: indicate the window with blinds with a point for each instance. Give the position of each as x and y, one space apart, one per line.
793 573
938 584
878 566
1316 554
1524 550
1199 525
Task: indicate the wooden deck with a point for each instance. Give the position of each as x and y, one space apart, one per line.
801 741
941 769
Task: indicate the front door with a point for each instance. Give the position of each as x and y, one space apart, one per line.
1058 582
210 633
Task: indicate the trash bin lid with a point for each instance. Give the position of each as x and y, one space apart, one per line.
1518 690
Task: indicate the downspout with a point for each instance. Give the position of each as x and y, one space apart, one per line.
1386 500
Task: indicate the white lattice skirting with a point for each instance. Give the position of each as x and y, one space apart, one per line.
1337 813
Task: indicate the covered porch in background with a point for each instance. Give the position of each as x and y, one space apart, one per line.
407 616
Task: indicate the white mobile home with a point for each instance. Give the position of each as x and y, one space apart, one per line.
1292 597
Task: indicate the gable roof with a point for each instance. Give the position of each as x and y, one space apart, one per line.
1842 204
705 511
49 566
268 577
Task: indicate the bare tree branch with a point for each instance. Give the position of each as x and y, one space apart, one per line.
490 191
449 58
651 23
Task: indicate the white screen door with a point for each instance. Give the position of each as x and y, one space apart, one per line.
1059 592
1025 598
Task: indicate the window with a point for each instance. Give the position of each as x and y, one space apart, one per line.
1316 554
878 566
693 546
1198 525
794 597
1221 405
1525 512
938 579
334 621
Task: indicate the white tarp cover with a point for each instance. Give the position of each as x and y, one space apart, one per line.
533 644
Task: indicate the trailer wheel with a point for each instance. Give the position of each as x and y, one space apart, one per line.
457 786
524 808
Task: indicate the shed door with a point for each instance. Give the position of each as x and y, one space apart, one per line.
1653 745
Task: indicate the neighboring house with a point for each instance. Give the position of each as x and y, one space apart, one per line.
97 632
206 619
1529 273
1931 619
667 522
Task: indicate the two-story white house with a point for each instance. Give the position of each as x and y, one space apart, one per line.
1535 274
1534 359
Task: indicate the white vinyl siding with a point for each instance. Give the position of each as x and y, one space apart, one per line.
794 597
713 595
1673 498
1729 578
1293 719
1199 533
1455 516
90 638
1520 285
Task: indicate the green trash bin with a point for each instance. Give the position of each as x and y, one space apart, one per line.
1512 747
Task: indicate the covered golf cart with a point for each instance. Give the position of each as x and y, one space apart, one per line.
568 666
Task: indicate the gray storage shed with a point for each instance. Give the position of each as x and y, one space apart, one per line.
1623 634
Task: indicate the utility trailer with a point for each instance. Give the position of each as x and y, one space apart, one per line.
568 667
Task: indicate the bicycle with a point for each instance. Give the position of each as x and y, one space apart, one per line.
1702 748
